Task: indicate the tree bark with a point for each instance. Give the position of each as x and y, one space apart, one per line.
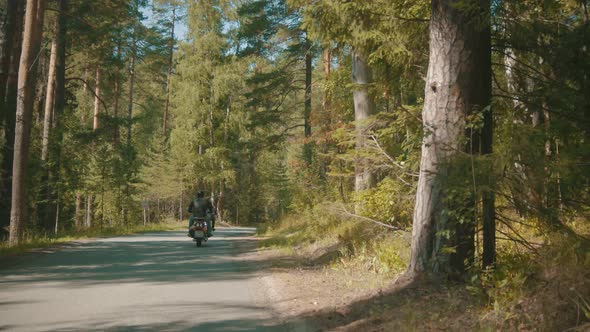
487 139
169 73
584 87
220 202
58 109
96 122
33 29
89 212
50 94
363 109
45 208
131 89
327 69
116 97
8 22
79 214
457 84
307 146
325 119
8 102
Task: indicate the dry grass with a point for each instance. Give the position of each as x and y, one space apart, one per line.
543 287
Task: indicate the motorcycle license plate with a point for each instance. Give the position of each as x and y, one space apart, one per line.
199 234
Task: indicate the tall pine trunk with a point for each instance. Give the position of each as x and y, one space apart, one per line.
89 211
33 29
8 21
59 107
169 72
45 207
130 115
8 105
457 84
50 94
97 92
325 121
307 146
363 109
79 212
327 68
131 90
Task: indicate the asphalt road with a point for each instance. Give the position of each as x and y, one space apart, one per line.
147 282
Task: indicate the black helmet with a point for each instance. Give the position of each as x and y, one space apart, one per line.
200 194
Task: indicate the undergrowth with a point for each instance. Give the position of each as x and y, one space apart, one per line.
541 283
323 237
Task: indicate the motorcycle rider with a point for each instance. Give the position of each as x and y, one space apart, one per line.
201 208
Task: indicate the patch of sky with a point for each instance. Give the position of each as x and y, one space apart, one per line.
152 17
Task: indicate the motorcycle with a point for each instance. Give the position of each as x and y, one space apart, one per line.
199 232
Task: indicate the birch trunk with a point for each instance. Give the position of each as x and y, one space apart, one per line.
33 29
457 83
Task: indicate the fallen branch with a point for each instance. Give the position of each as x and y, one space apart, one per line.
380 223
393 162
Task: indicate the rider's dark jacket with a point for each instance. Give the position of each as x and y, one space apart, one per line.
200 207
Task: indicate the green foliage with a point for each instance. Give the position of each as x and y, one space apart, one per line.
321 236
388 201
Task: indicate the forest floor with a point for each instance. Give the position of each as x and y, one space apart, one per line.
336 297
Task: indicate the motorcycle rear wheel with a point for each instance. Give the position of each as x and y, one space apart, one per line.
199 242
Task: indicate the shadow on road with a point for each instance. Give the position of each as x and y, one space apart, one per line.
169 257
225 326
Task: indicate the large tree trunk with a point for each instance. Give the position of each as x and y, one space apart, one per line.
8 103
457 84
363 109
33 29
169 73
